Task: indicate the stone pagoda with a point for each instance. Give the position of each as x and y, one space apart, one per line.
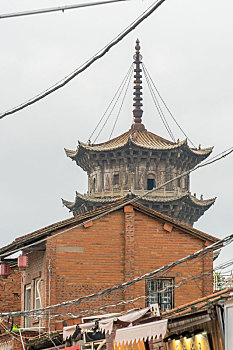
137 161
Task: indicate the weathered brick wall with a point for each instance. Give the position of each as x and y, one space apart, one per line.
156 247
89 259
120 246
115 248
10 296
37 269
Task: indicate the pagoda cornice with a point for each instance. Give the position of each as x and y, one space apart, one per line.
84 198
184 196
187 196
141 139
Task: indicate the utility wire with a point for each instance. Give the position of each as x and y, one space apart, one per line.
217 245
206 163
166 106
156 102
116 93
200 276
56 9
88 63
117 99
123 100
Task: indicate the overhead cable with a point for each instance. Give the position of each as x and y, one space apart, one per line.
122 102
217 245
206 163
166 106
200 276
110 104
88 63
56 9
159 109
117 99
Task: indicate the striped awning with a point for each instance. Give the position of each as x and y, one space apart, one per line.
147 331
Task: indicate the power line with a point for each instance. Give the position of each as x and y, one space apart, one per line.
211 161
56 9
160 112
117 98
166 106
116 93
200 276
88 63
122 102
217 245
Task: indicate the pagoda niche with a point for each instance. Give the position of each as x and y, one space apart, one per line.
137 161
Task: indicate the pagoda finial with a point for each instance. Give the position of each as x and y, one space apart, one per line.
137 112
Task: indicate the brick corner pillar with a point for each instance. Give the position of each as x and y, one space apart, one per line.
110 339
129 250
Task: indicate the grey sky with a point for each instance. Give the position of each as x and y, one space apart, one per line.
187 47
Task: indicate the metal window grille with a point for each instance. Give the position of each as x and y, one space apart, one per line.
155 293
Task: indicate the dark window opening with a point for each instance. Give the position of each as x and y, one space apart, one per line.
93 184
150 184
116 179
179 182
161 292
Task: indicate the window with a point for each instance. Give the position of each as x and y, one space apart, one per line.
165 298
116 179
150 184
93 184
27 304
37 301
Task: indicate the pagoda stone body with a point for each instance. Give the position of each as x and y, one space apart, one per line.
137 161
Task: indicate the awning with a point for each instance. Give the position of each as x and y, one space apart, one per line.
85 327
145 331
107 325
68 331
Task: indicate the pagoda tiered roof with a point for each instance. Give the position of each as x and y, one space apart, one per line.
139 160
139 138
192 207
83 198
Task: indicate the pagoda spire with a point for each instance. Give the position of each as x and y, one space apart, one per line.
137 112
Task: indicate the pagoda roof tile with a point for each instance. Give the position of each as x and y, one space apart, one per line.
141 138
159 199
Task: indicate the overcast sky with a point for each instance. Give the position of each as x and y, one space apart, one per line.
187 47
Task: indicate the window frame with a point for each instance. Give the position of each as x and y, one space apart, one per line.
116 177
151 181
158 297
36 293
27 319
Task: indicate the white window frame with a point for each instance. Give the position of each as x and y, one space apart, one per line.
37 298
27 319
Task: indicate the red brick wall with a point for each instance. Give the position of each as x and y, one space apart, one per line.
10 296
37 269
115 248
155 247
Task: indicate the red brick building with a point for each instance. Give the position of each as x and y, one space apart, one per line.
107 246
10 295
